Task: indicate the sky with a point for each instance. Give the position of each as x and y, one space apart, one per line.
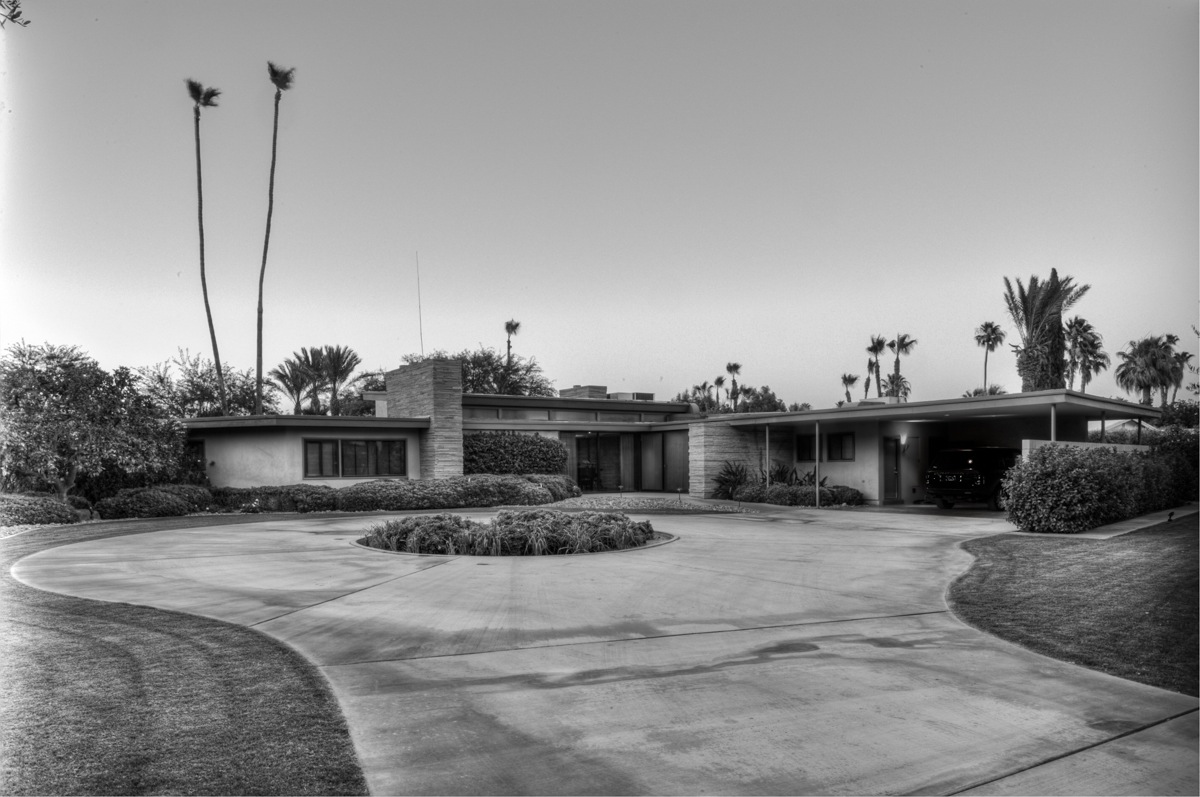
653 189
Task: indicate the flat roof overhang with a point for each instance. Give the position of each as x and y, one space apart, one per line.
516 425
252 422
559 403
1063 403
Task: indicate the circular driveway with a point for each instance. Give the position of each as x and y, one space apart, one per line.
789 652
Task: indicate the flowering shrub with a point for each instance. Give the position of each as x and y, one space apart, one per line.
21 510
537 532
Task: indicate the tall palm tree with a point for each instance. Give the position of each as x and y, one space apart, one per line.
903 344
1182 365
1037 312
989 336
867 381
733 369
511 328
295 380
849 381
1146 366
878 344
206 97
1092 358
282 78
719 383
313 362
339 363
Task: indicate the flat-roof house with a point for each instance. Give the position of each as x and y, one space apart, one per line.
634 442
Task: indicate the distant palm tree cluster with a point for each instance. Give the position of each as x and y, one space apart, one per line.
318 376
206 97
738 398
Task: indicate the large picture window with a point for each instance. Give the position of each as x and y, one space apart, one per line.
354 458
806 450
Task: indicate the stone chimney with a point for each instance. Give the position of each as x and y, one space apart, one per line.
431 389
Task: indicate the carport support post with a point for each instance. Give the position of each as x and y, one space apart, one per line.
817 464
1053 423
767 427
1101 426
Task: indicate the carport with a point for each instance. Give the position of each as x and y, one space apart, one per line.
882 446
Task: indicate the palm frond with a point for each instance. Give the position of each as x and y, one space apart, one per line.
282 78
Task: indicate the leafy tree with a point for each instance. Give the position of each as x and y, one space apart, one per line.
1184 413
878 344
903 344
282 78
195 391
1037 312
848 381
64 416
486 371
761 399
206 98
734 370
1148 365
989 336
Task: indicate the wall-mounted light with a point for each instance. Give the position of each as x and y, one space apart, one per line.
904 442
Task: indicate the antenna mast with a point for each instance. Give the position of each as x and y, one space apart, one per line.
420 320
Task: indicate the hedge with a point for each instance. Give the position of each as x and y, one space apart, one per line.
1068 489
285 498
505 453
513 533
797 495
22 510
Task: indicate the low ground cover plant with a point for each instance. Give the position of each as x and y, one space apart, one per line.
22 510
1068 489
538 532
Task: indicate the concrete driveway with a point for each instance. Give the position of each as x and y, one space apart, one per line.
789 652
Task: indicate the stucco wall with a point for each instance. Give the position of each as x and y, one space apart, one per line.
276 456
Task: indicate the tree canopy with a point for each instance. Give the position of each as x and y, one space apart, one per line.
487 371
64 416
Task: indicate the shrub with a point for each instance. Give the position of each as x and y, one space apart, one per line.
561 487
732 476
798 495
271 498
21 510
505 452
142 502
481 490
198 499
536 532
1067 490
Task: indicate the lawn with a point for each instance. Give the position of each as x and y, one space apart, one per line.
110 698
1126 606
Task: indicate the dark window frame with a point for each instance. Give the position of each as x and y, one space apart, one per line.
366 457
836 445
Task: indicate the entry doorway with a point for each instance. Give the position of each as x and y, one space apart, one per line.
891 469
598 461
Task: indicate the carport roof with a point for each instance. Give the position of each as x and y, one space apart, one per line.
1064 403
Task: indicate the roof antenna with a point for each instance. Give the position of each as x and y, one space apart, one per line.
420 320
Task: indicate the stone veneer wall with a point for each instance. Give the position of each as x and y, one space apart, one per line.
431 389
711 444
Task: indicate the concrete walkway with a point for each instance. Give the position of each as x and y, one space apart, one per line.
786 652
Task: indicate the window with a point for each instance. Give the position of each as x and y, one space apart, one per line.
840 446
805 448
354 458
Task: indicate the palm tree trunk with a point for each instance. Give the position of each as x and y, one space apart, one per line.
212 332
878 380
262 272
985 382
